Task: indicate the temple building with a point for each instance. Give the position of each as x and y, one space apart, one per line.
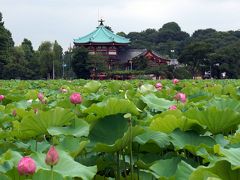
116 48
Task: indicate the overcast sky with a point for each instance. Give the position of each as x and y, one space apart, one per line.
64 20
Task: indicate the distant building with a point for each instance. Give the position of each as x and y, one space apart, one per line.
174 62
116 48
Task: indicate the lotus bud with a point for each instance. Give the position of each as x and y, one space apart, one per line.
63 90
158 86
76 98
40 97
173 107
44 101
14 112
36 110
52 156
2 97
181 97
175 81
26 166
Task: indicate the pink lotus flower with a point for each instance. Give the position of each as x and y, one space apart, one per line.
158 86
40 97
175 81
1 97
26 166
173 107
52 156
76 98
181 97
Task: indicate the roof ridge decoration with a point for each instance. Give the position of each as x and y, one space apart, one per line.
101 35
101 22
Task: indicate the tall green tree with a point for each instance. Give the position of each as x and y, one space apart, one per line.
46 58
28 49
58 57
6 45
196 56
140 63
32 60
97 63
229 60
67 67
79 62
17 66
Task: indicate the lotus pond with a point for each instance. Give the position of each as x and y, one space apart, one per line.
121 129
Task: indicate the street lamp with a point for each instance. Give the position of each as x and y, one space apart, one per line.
130 64
53 69
63 66
172 53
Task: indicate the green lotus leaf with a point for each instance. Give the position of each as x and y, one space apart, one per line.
157 104
169 121
215 89
190 140
15 96
4 177
208 157
238 90
23 104
110 107
22 113
184 171
108 129
235 139
66 166
221 140
31 94
39 146
8 160
231 155
145 160
2 108
216 120
72 145
165 168
38 124
149 136
13 174
225 103
44 174
114 86
112 134
199 96
230 89
64 103
219 171
81 129
92 86
147 88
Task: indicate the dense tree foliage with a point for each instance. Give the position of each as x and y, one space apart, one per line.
79 62
206 50
213 51
6 45
83 63
97 63
140 63
169 37
22 62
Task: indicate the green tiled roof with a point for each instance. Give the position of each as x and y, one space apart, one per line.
102 35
